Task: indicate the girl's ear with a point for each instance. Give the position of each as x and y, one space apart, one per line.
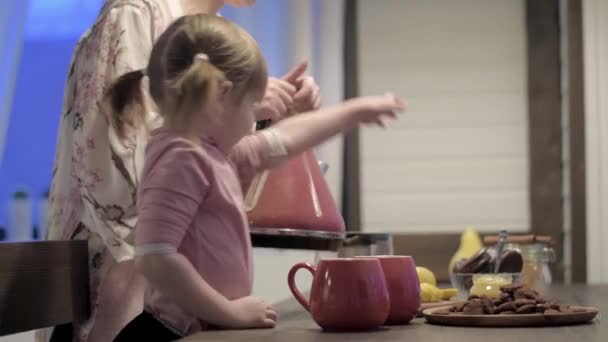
226 89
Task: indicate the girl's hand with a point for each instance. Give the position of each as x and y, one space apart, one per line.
372 109
253 313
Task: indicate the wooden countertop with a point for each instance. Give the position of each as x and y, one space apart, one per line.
295 325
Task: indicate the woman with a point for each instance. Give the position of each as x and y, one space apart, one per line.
99 160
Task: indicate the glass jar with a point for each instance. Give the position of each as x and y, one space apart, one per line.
537 258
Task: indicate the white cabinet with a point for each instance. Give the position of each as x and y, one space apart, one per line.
460 153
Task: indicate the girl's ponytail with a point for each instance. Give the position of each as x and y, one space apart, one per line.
193 88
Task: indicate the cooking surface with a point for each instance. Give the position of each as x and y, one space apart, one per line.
296 325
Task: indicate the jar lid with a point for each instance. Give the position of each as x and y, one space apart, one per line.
528 239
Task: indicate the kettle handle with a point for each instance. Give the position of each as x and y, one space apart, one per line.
291 279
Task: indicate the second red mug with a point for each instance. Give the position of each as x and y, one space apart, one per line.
403 287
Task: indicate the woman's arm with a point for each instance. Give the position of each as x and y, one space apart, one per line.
106 167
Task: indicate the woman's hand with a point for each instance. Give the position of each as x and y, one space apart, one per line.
251 312
293 93
277 101
308 94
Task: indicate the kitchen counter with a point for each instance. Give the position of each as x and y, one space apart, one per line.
295 325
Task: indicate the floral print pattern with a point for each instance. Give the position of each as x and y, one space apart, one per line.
94 184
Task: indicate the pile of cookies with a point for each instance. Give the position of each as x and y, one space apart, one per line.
514 299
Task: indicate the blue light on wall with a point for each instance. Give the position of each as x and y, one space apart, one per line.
52 29
60 19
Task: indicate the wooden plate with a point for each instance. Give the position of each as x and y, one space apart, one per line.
425 306
530 320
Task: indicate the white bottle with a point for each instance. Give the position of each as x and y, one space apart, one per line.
42 216
21 217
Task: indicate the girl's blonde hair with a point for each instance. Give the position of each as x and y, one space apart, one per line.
187 65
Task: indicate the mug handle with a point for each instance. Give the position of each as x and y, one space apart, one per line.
291 279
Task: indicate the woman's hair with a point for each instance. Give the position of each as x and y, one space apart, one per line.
187 65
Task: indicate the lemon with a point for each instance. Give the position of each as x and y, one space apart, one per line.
447 294
426 276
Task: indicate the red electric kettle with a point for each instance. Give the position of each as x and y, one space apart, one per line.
294 199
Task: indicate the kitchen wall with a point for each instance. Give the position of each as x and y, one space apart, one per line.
459 155
595 38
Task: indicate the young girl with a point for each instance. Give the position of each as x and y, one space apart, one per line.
192 238
98 162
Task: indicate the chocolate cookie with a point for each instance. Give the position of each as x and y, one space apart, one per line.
522 302
505 297
459 307
459 265
508 306
473 307
478 263
488 306
525 293
526 309
542 307
511 262
511 288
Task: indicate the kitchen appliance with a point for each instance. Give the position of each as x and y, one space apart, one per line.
294 200
291 206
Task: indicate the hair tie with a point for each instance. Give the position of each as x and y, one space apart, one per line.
201 57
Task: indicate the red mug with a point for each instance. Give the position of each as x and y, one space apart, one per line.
346 294
403 287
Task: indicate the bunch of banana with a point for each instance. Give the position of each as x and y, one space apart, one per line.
429 292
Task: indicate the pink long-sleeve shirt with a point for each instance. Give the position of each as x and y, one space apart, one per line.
191 202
